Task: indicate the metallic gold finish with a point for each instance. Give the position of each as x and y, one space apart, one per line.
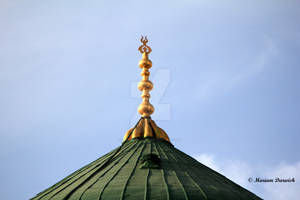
145 108
146 127
144 48
126 135
139 130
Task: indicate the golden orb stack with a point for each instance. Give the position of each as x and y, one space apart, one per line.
145 85
146 127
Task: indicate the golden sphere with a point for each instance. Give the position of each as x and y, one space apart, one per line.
145 85
145 63
145 109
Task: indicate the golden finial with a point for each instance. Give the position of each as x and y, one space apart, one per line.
145 108
145 127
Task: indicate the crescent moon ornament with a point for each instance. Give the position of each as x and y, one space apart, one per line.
144 48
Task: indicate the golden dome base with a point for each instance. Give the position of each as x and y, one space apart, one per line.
146 127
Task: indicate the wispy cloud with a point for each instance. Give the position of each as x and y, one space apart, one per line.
240 172
260 63
223 82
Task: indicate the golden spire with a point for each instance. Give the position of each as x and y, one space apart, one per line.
145 108
145 127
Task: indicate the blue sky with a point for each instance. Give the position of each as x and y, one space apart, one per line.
226 86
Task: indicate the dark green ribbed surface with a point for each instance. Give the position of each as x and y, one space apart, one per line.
180 177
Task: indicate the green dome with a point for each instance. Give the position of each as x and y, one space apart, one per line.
145 168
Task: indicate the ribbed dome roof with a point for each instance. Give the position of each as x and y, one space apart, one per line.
145 168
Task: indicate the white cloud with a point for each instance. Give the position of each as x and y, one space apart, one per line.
208 160
240 172
282 191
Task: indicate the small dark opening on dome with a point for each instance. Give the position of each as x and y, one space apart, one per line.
150 161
